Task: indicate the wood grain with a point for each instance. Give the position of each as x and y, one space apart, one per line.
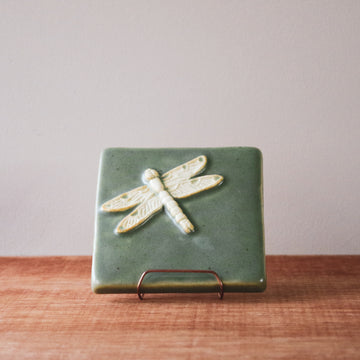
311 310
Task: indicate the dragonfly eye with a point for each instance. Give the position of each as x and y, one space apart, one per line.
150 174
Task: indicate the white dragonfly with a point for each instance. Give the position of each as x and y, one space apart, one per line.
160 191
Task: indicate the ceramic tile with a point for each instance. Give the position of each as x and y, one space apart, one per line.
227 218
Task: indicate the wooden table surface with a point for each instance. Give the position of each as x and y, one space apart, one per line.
311 310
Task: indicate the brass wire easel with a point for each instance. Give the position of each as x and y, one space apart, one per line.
141 294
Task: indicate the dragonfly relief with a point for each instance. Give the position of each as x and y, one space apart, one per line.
160 191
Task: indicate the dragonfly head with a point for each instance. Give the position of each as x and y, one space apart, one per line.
150 174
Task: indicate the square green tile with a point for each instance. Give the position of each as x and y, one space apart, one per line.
228 220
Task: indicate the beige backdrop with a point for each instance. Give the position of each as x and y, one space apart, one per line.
79 76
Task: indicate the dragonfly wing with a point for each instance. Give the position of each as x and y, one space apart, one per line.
190 187
184 171
127 200
143 212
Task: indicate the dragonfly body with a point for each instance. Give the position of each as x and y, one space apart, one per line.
152 177
160 191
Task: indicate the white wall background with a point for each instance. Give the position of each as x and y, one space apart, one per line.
79 76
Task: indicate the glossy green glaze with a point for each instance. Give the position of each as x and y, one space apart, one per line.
228 220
